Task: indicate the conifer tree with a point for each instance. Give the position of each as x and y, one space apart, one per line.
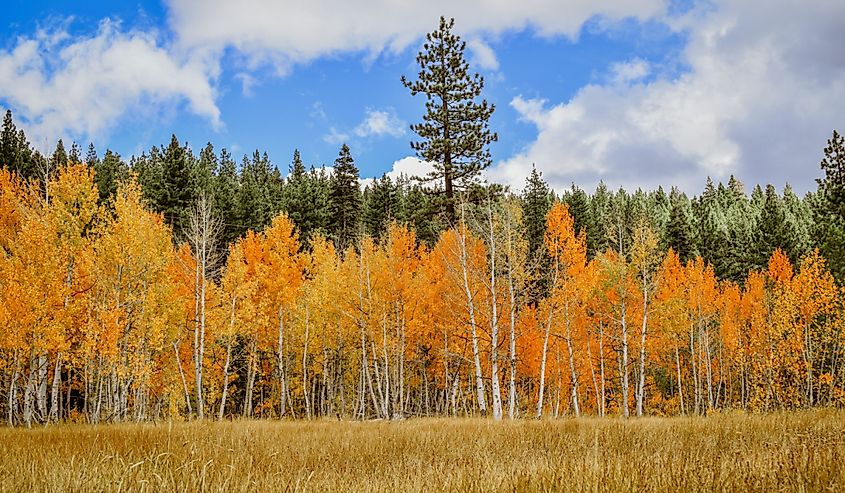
226 187
203 172
295 202
536 203
59 157
9 143
15 151
712 229
259 189
381 206
799 214
75 155
600 206
579 207
830 207
174 193
108 175
679 231
345 201
776 231
833 183
454 133
91 158
418 210
619 222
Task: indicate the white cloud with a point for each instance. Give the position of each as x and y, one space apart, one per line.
59 85
763 91
336 137
631 71
378 123
247 83
482 54
81 86
287 32
409 167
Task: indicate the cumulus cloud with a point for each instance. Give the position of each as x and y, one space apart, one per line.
631 71
336 137
287 32
408 166
59 85
376 124
81 86
482 54
757 101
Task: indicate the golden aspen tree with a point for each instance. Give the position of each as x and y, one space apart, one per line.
132 260
645 258
673 317
817 300
280 278
568 252
702 296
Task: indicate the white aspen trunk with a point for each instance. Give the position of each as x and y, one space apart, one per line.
476 357
559 381
386 372
512 347
494 324
196 342
593 375
695 379
543 365
181 374
29 393
572 371
99 397
201 361
456 382
56 389
402 365
368 381
280 361
680 382
41 385
381 404
808 361
601 370
709 360
641 382
203 233
625 386
228 361
225 379
305 365
250 380
12 395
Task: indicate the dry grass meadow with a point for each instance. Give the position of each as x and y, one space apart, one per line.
736 452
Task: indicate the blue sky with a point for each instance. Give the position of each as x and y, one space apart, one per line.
636 92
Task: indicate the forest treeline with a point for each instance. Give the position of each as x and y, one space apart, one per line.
181 285
188 285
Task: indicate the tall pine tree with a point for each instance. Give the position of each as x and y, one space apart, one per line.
679 230
830 206
536 203
382 200
345 201
454 134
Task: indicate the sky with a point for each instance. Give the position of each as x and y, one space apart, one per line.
635 93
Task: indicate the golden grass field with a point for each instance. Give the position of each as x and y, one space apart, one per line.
736 452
